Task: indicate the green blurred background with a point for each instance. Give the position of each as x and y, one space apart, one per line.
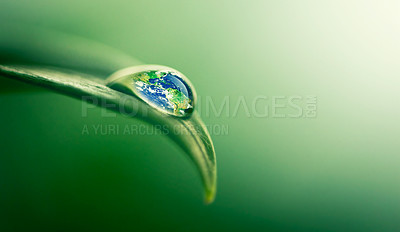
338 171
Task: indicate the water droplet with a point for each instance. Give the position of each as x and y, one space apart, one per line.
165 90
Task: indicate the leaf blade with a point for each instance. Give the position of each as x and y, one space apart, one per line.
193 138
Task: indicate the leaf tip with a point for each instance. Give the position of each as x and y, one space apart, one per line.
210 193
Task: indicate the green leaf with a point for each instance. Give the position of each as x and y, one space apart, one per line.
193 138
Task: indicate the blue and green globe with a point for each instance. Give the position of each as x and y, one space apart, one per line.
164 90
